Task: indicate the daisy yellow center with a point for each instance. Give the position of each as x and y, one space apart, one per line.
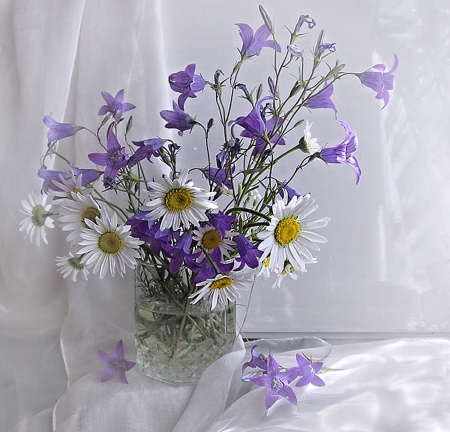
38 215
75 263
179 199
110 242
287 230
73 191
222 283
90 213
211 239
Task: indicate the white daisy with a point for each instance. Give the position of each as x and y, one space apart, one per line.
74 212
108 246
69 187
71 266
288 238
308 144
224 288
38 217
178 202
209 238
264 268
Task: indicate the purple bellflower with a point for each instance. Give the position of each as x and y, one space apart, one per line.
49 176
58 130
147 149
322 46
302 20
257 361
277 383
187 83
177 119
114 159
307 370
249 253
115 365
343 152
322 99
284 189
149 232
379 80
256 126
252 44
115 105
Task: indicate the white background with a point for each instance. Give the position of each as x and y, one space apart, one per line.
385 267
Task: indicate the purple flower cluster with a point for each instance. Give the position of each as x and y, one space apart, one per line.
278 379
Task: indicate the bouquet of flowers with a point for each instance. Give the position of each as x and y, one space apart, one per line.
204 243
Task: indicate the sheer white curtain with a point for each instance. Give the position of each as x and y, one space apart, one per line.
386 266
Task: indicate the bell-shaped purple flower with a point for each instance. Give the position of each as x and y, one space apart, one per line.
58 130
115 105
252 44
257 360
114 159
322 99
249 253
343 152
277 383
147 149
307 371
187 83
380 81
115 365
304 19
256 126
284 189
177 119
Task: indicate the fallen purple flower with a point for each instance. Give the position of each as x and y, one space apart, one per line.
115 365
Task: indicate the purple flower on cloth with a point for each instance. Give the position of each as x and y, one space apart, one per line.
177 119
308 371
115 365
322 99
380 81
58 130
343 152
147 149
115 105
257 361
277 383
114 159
187 83
252 44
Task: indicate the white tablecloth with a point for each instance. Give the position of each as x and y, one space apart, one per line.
393 385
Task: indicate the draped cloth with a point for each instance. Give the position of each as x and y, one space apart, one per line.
57 56
400 384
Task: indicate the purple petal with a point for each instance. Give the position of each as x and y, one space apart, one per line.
101 159
105 358
271 398
119 352
108 373
121 376
112 143
289 394
109 99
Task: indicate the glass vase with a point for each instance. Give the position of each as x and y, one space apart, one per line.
175 340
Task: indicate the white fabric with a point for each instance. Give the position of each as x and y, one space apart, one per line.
56 56
396 385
